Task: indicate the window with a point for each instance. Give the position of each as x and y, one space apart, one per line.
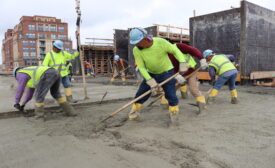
32 43
33 54
53 36
62 37
34 63
29 35
61 29
27 62
40 28
25 43
42 36
42 51
20 36
31 27
67 44
32 49
53 28
46 28
25 49
25 54
42 44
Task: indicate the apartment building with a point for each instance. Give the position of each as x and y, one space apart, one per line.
30 40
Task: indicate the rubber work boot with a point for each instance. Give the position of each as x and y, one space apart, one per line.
164 102
173 112
234 96
123 81
183 91
68 93
112 80
68 109
212 96
39 110
201 103
135 112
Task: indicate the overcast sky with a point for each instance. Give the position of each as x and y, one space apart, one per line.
100 17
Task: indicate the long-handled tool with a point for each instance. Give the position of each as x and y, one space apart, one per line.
135 100
159 97
103 97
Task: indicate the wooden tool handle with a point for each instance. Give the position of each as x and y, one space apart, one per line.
138 98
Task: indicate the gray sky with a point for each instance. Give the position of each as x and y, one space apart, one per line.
100 17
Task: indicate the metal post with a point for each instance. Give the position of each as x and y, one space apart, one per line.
81 52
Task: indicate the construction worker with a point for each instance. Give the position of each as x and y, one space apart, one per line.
119 69
42 79
151 56
69 64
88 68
58 59
222 66
197 62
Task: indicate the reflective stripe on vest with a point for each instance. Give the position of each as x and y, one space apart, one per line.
33 75
58 65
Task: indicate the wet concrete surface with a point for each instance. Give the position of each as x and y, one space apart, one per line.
225 136
95 93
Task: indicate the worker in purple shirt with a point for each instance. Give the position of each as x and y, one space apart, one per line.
42 79
222 66
22 80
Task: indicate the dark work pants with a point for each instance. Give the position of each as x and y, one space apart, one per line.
169 88
50 80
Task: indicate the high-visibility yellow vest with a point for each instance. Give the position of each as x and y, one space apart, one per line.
221 64
57 61
35 73
189 59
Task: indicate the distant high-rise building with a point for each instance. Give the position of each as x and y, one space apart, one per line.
30 40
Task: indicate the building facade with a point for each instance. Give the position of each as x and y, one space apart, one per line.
30 40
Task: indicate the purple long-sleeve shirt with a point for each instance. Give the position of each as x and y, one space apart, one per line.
212 71
22 80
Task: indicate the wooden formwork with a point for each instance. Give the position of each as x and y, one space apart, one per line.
100 54
170 33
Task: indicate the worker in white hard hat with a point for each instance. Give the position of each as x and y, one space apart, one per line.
58 59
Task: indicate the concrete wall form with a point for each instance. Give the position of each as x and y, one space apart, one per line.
258 38
247 32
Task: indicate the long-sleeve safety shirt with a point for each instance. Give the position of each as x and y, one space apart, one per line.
22 80
186 49
155 59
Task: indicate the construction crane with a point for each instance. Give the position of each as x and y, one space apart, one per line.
79 48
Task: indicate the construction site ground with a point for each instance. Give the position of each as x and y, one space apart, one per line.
226 136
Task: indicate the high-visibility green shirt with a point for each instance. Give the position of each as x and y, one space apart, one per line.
155 59
58 61
35 73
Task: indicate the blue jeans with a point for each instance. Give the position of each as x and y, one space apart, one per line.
169 88
66 81
231 80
